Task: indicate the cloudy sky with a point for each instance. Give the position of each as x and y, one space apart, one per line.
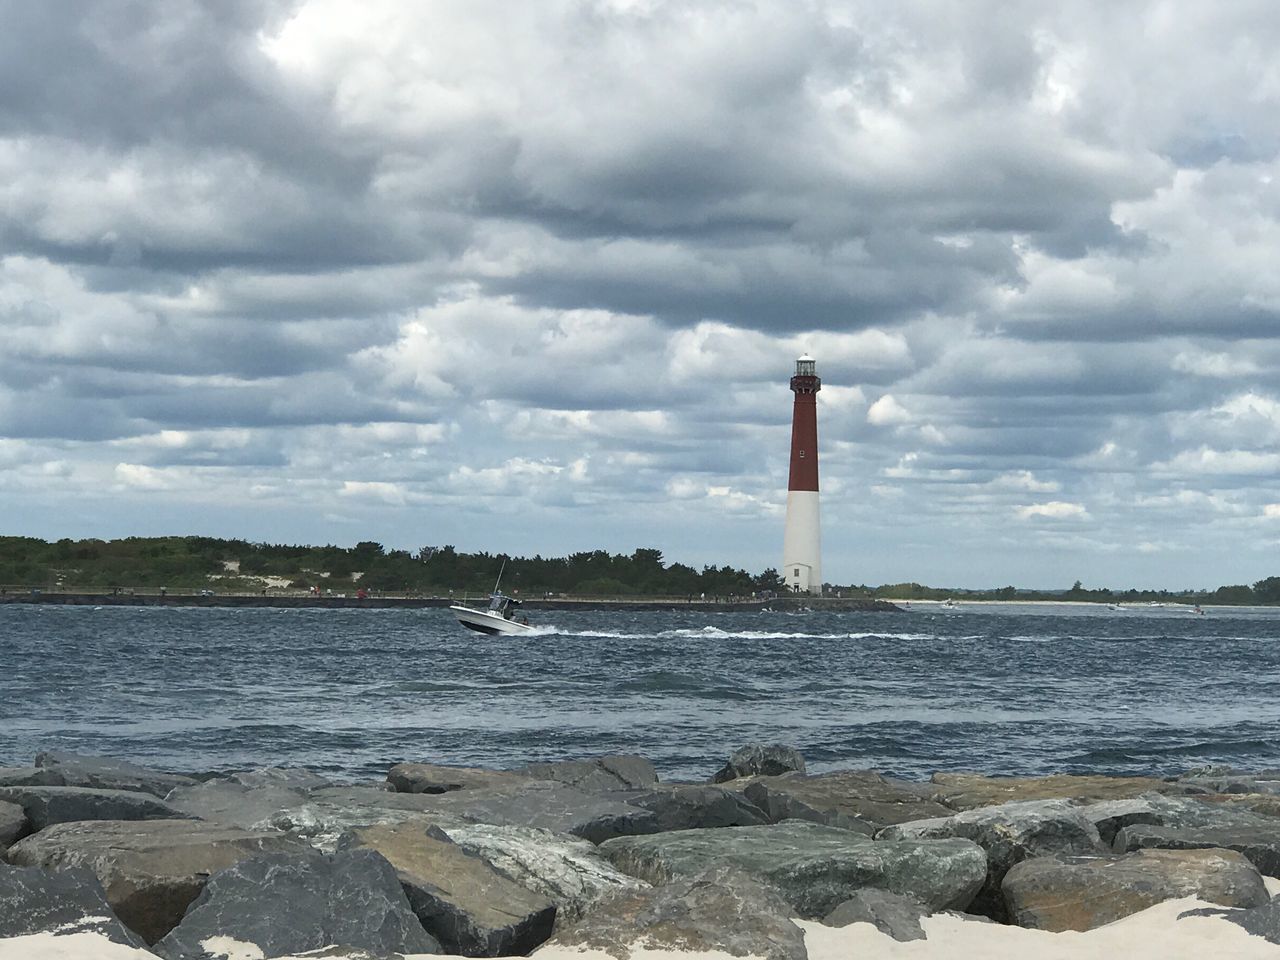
531 277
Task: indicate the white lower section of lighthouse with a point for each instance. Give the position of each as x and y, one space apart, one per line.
802 543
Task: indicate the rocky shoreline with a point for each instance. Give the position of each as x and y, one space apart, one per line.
599 855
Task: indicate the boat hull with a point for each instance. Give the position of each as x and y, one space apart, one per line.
482 621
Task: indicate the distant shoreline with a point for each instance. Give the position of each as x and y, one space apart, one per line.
124 599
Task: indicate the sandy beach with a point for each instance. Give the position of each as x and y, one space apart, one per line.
1153 934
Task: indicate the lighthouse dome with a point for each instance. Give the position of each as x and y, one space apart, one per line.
805 366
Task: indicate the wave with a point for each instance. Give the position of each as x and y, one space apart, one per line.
716 633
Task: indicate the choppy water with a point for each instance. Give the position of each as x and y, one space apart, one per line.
349 692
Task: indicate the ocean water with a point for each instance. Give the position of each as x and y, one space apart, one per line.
1012 690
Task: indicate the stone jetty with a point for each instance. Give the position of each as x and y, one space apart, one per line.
599 855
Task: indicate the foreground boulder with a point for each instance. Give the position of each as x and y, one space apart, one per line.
29 777
1261 844
845 798
48 805
467 905
567 870
759 759
813 867
33 900
1083 893
965 791
289 778
13 823
76 770
151 869
714 910
1009 833
324 815
436 778
890 913
1154 809
603 774
291 903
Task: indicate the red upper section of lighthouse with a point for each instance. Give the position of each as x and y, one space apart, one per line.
804 427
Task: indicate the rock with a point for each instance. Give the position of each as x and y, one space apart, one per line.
1083 893
467 905
75 770
1009 833
289 778
13 823
759 759
1266 782
47 805
29 777
322 816
623 772
715 910
965 791
565 869
1260 844
1111 816
1264 805
291 903
847 797
547 805
813 867
694 806
72 901
897 916
151 869
233 804
1263 921
433 778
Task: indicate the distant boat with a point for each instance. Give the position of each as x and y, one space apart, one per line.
950 604
1114 606
501 616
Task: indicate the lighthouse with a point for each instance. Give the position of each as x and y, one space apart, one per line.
802 542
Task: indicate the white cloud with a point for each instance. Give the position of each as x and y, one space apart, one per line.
1054 510
887 412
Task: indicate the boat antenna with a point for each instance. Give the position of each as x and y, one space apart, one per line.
499 580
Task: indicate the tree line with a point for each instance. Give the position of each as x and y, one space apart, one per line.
195 563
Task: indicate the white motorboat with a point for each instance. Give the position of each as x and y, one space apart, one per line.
503 615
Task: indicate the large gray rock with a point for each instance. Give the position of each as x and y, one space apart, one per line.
325 814
71 901
892 914
758 759
1160 810
813 867
76 770
436 778
1260 844
48 805
565 869
1009 833
233 804
714 910
966 791
1263 782
1059 894
603 774
292 903
547 805
29 777
853 798
151 869
288 778
694 806
460 898
13 823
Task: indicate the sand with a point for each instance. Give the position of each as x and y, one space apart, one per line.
1153 934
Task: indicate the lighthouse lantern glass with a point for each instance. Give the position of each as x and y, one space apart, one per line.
805 367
